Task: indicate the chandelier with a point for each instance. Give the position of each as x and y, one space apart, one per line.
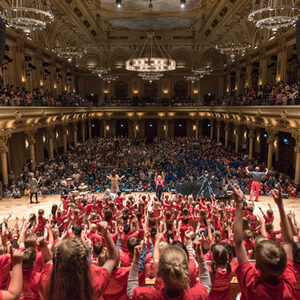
109 77
150 57
192 77
150 76
27 15
273 14
100 71
233 49
70 53
201 72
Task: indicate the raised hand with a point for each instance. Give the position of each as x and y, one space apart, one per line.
277 195
237 195
16 256
137 254
103 227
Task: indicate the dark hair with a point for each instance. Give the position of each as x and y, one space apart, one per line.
126 228
97 248
71 275
131 243
29 256
108 215
53 209
220 258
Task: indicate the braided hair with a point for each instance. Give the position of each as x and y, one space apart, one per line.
173 267
71 277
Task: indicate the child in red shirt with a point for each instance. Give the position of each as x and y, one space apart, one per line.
269 217
221 274
39 230
173 268
272 278
296 254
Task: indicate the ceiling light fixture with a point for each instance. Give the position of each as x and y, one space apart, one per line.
70 53
151 76
182 3
233 48
273 14
119 3
27 15
151 56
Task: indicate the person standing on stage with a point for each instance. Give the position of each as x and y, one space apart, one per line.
257 177
159 184
33 187
114 178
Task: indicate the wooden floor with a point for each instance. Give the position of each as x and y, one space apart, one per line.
21 207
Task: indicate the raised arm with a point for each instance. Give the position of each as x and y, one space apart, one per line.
247 171
16 283
240 249
287 237
113 253
267 171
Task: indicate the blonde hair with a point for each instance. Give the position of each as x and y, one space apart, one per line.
173 267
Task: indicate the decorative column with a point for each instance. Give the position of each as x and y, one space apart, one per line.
270 142
281 60
237 80
166 128
211 128
218 132
262 67
249 75
251 140
297 158
83 128
196 129
31 141
136 128
75 129
237 137
226 134
50 135
90 129
3 156
105 128
65 138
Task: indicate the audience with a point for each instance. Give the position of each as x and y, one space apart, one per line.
104 246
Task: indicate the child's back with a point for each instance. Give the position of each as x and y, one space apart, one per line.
220 288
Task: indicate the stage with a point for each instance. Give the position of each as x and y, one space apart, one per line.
21 207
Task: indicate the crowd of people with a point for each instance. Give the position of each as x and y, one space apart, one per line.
15 96
183 160
108 247
277 94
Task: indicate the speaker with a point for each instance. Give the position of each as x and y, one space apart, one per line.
298 39
2 39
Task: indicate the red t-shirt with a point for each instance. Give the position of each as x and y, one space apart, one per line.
4 271
41 224
117 286
252 219
249 245
297 285
125 238
253 287
268 219
220 288
198 292
30 289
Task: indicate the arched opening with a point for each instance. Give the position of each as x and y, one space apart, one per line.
151 129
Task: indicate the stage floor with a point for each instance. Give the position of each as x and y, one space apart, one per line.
21 207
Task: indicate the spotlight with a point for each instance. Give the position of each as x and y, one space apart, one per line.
182 3
119 3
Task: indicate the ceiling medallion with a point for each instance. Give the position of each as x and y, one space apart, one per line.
233 49
151 56
150 76
27 15
273 14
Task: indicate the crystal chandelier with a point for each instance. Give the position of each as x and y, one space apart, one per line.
192 77
150 76
150 57
233 49
201 72
109 77
27 15
273 14
70 53
100 71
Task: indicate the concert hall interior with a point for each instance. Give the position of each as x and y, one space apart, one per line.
149 149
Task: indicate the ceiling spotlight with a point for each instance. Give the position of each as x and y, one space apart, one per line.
182 3
119 3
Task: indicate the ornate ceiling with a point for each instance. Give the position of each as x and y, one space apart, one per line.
190 32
